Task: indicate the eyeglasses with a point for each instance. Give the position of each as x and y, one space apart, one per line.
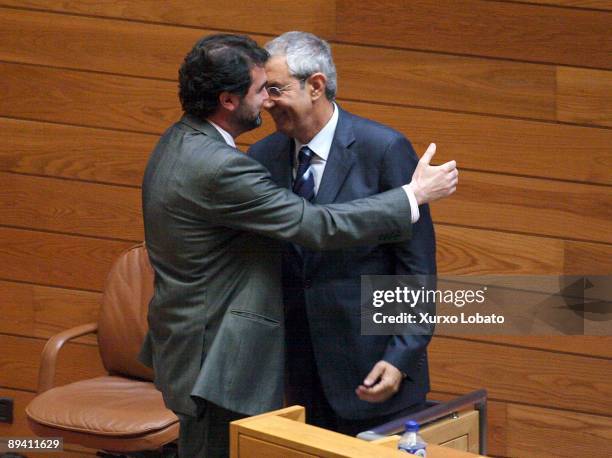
276 92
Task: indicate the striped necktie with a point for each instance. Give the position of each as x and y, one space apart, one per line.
304 179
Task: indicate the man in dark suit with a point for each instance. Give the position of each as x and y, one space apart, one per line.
347 381
213 221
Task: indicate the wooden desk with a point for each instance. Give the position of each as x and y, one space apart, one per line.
283 434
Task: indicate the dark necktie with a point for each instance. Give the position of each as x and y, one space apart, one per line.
304 180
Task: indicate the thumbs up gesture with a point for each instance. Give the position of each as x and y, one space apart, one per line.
431 182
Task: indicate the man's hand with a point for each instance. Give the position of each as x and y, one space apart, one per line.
430 182
381 383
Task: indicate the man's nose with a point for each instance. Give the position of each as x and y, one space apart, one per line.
268 103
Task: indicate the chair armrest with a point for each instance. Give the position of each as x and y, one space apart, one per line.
48 360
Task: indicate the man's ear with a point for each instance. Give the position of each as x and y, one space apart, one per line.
229 101
317 83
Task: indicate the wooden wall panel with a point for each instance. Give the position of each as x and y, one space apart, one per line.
594 4
75 152
501 145
103 45
530 33
574 211
57 259
406 77
104 156
42 311
443 81
584 96
476 142
72 207
533 431
520 375
267 16
86 208
595 346
21 357
468 251
73 97
593 259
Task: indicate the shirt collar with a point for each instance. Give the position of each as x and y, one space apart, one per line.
322 142
226 135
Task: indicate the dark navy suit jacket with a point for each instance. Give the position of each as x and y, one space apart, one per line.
365 158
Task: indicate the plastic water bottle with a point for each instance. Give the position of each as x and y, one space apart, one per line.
411 441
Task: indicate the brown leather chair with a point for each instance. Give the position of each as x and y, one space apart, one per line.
122 411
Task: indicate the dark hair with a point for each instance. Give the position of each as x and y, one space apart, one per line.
217 63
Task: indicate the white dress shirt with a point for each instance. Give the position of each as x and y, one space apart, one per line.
226 135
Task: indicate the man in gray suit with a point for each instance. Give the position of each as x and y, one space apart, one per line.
213 225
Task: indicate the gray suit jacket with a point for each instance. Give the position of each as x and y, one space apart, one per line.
213 221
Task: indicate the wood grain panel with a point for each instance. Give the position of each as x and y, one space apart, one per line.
21 357
71 206
478 142
579 345
19 427
448 82
265 16
535 377
502 145
584 96
460 251
591 259
467 251
595 4
413 78
529 205
41 311
516 31
81 98
92 209
532 431
74 152
57 259
94 44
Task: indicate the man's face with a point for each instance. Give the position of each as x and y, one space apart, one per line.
292 109
248 114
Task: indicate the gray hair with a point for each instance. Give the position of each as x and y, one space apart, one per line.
306 54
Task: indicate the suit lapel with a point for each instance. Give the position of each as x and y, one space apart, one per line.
339 161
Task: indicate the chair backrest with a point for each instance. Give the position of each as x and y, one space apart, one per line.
122 325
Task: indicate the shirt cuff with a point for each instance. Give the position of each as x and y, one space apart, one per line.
414 206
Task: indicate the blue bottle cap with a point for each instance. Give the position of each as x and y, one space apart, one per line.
412 426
